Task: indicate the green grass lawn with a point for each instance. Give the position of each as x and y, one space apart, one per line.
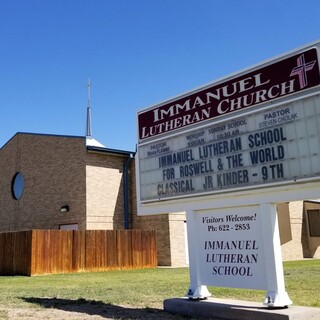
148 287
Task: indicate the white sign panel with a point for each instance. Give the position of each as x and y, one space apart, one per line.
277 145
231 248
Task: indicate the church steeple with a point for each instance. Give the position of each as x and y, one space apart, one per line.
88 126
89 139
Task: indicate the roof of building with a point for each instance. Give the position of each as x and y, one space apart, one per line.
92 145
110 151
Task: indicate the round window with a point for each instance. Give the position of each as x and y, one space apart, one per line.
17 185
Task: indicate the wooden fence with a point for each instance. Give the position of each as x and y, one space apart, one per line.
38 252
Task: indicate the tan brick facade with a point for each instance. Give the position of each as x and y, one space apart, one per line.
60 171
291 233
54 175
104 192
178 234
312 244
296 242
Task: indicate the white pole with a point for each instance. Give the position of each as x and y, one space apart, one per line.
196 289
276 295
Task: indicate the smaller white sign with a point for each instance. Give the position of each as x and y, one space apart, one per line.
231 248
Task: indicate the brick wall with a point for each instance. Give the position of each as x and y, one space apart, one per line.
104 193
312 243
59 171
292 248
178 239
53 168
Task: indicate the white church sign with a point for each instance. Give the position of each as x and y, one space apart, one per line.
226 153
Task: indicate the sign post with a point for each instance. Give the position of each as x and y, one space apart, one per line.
276 295
197 290
226 153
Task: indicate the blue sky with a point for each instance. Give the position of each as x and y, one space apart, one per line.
136 53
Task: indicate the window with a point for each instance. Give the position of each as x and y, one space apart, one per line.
17 186
314 222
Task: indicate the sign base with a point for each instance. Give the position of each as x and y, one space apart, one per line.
276 299
237 310
198 293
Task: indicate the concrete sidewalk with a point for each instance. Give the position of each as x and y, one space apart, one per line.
237 310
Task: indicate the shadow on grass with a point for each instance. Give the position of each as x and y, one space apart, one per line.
99 308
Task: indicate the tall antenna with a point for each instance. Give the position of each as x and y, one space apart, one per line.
88 126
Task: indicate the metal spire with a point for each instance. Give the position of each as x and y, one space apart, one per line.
88 126
89 139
